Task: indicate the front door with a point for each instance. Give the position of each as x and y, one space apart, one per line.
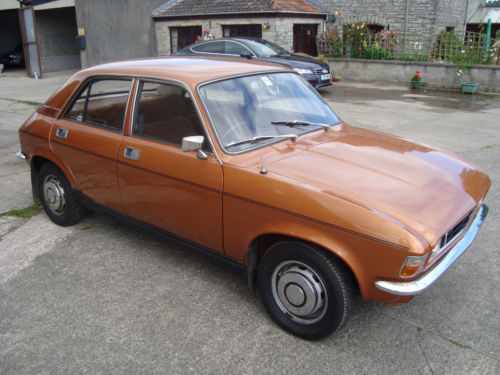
304 38
159 183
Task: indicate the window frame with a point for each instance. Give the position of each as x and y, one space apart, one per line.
236 42
179 29
208 43
87 84
208 146
221 53
233 30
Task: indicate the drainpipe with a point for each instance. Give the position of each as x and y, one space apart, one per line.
466 12
406 23
488 36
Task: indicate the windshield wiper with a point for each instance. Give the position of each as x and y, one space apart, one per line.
293 137
293 123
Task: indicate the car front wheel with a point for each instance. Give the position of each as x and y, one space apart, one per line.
305 291
57 198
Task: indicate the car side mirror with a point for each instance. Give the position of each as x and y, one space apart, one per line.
194 143
247 55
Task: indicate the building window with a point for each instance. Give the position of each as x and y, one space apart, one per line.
375 28
242 30
181 37
450 28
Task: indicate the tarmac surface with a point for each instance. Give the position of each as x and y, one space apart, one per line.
104 297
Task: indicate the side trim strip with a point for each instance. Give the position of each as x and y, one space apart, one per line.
317 221
82 150
414 287
33 135
169 177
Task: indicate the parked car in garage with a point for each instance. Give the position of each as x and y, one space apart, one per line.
13 58
247 161
313 70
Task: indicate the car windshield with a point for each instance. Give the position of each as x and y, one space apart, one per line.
252 111
264 48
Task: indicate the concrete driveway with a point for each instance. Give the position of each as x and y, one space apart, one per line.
107 298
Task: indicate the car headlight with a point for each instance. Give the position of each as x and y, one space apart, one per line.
412 265
303 71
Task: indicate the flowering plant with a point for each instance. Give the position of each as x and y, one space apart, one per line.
330 42
207 35
387 39
416 77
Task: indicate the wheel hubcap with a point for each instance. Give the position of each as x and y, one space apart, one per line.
299 292
54 196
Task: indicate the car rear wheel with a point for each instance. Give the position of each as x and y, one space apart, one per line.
304 290
57 198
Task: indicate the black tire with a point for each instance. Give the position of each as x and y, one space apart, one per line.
57 197
306 291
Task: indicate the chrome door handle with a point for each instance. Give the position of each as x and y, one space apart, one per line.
62 133
131 153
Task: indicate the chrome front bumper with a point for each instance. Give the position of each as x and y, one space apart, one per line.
427 279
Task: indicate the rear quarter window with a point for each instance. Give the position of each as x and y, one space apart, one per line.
101 102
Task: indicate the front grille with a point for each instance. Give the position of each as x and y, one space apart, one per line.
450 236
320 72
455 231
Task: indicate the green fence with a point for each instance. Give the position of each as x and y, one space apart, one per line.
358 41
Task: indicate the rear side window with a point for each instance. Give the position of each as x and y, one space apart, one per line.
210 47
234 48
102 102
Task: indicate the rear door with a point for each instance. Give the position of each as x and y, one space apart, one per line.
87 137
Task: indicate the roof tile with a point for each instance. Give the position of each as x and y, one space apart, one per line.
195 7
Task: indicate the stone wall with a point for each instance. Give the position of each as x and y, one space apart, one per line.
433 75
427 17
280 28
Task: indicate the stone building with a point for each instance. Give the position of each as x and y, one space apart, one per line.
293 24
427 17
74 33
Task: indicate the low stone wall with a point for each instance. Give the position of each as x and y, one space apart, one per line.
434 75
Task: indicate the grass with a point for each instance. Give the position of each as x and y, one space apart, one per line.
20 101
29 102
460 345
26 212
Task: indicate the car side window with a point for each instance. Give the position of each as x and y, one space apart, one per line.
102 102
210 47
233 48
166 113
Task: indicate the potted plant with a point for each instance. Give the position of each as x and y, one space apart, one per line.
336 78
469 87
464 59
416 80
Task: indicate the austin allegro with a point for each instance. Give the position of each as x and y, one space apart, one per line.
247 161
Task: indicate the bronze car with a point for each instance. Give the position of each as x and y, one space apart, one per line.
246 159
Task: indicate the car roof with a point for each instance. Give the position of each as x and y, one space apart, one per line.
191 70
